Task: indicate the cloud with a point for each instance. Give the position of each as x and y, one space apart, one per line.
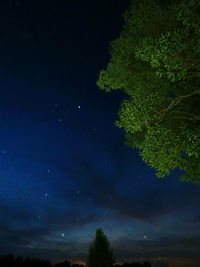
139 201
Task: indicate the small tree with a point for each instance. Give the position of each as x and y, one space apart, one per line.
100 252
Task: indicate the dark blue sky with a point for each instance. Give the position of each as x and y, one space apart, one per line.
64 168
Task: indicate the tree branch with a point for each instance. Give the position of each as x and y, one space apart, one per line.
176 101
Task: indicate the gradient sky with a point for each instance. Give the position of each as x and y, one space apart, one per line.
64 167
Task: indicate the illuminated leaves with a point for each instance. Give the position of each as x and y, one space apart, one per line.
156 62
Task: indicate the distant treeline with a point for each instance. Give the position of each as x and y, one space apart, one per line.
135 264
12 261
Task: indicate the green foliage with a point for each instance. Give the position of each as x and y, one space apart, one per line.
100 253
156 62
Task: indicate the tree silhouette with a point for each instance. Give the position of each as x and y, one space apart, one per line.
100 252
63 264
11 261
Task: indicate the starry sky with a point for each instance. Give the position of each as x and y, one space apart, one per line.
64 168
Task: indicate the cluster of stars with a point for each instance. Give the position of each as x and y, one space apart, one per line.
48 171
60 119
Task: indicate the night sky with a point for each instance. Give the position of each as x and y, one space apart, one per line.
64 168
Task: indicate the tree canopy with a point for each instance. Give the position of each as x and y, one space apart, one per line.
155 61
100 253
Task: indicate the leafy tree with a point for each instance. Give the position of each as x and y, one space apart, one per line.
155 61
100 253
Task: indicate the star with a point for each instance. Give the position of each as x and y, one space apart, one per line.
46 194
77 219
39 217
60 120
62 235
77 192
79 107
48 171
145 236
4 152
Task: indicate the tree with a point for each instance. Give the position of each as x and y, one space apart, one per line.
155 61
63 264
100 253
